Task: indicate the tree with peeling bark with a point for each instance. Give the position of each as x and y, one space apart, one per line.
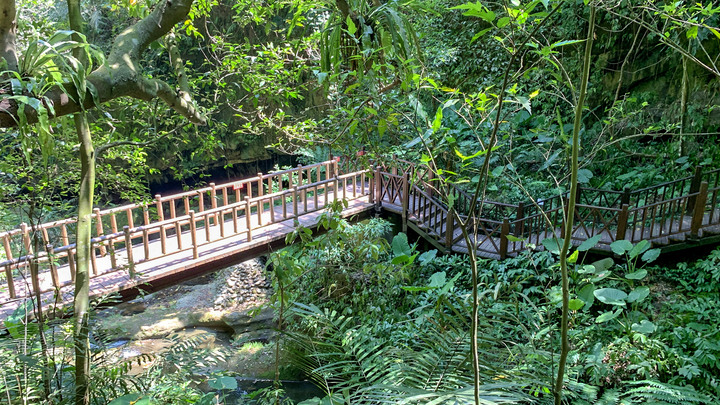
119 76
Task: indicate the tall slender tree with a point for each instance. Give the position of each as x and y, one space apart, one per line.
119 76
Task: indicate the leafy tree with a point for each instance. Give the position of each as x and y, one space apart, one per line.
86 86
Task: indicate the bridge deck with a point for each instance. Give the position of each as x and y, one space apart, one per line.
176 265
185 234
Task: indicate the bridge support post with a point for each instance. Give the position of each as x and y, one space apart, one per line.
520 220
622 222
193 235
129 251
504 231
213 201
698 211
10 281
371 188
71 259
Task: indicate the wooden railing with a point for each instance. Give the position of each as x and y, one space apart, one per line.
181 222
680 208
188 221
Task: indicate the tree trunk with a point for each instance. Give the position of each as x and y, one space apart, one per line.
84 233
569 213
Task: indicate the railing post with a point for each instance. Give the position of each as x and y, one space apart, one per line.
335 188
71 259
520 220
213 200
378 188
405 200
248 220
504 231
26 239
296 214
622 222
10 281
161 217
51 261
430 184
99 229
450 229
193 236
129 251
261 186
371 189
625 197
695 184
699 211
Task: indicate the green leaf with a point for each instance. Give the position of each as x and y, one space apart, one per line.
587 295
352 29
589 243
437 122
650 256
584 176
553 245
639 294
641 247
573 257
619 247
608 316
586 269
645 327
438 279
223 383
611 296
503 22
575 304
512 238
400 245
567 42
692 32
602 265
636 275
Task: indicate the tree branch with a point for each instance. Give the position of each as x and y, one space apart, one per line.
120 75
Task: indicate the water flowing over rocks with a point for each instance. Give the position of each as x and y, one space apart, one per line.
246 285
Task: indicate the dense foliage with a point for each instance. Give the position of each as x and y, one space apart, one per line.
481 93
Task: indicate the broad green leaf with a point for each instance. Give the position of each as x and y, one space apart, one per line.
502 22
400 245
651 255
608 316
636 275
640 247
639 294
692 32
575 304
620 247
587 295
645 327
438 279
611 296
437 122
589 243
223 383
553 245
428 256
602 265
586 269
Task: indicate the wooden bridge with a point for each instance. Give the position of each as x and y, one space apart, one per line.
172 238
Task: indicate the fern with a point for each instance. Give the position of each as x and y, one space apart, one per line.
655 392
341 357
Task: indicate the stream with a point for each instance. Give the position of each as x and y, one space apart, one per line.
211 311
